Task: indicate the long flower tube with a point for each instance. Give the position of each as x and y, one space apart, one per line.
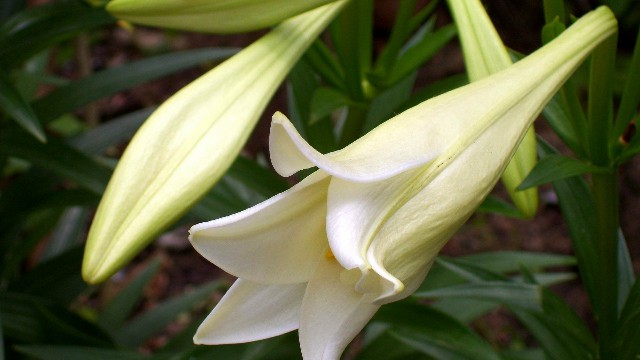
212 16
485 54
190 141
364 229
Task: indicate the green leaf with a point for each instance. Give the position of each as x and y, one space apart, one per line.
558 329
558 119
119 308
510 293
387 104
420 52
256 177
62 270
526 354
399 34
552 29
627 338
32 30
388 347
577 207
510 261
303 83
553 9
469 271
557 167
10 7
141 328
626 277
354 51
435 89
31 319
465 310
324 63
2 352
44 352
69 231
97 140
18 109
496 205
433 333
107 82
630 98
325 101
56 157
19 242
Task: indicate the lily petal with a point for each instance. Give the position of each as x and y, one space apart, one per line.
385 152
484 55
361 161
264 242
332 313
352 222
398 248
250 312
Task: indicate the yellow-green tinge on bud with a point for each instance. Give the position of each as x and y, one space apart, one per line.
190 141
485 54
211 16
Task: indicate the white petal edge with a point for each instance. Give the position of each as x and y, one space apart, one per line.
355 211
452 119
251 311
375 159
332 313
274 242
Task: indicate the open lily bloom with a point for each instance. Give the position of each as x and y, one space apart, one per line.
365 228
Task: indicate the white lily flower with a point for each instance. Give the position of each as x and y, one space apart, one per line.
365 228
484 54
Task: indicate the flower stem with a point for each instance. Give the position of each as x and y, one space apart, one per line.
353 126
605 192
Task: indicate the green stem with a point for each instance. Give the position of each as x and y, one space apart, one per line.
605 192
600 103
353 126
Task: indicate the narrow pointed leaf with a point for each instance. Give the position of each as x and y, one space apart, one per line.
107 82
517 294
442 336
18 109
420 53
48 352
30 31
56 157
141 328
119 308
557 167
627 340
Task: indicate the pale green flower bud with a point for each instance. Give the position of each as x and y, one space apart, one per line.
190 141
213 16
